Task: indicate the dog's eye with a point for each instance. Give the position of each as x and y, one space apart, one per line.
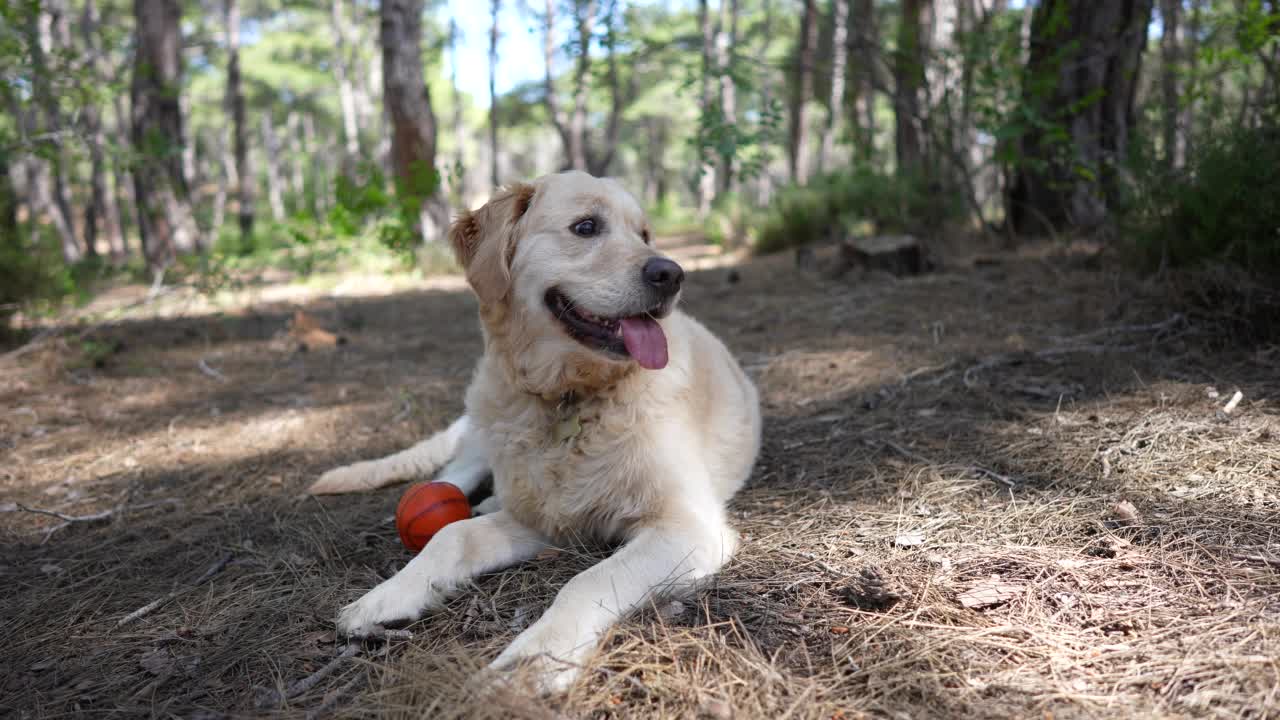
585 228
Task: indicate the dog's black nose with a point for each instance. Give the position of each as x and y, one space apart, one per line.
664 275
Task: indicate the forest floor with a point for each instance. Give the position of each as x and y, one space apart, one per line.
1005 489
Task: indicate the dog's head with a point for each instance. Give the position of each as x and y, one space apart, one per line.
568 279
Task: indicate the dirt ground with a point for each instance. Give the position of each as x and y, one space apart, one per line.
1006 489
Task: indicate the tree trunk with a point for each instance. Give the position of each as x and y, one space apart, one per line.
275 185
585 12
908 78
1169 62
102 204
764 181
726 41
835 104
346 90
164 213
864 39
244 175
46 23
801 92
297 169
413 125
707 174
226 180
317 171
598 162
123 175
1081 77
558 118
1191 49
495 7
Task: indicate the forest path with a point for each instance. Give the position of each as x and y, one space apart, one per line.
1004 489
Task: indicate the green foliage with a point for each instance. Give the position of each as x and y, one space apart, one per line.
850 202
1224 207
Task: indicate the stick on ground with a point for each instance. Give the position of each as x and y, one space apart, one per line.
151 606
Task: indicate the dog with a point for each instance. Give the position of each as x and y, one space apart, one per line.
598 408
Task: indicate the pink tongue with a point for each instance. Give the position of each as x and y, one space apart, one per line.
645 341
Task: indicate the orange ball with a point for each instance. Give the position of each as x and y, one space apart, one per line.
425 508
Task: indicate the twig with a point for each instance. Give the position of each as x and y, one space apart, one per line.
1230 407
151 606
334 697
68 519
204 368
304 684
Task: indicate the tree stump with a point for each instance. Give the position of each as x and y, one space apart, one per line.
896 254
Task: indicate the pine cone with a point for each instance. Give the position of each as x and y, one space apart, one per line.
870 591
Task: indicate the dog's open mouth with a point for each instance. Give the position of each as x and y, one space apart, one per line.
637 336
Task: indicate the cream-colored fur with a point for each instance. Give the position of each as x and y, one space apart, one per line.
581 443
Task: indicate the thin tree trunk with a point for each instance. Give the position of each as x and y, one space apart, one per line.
726 41
408 103
346 91
835 104
102 203
801 93
764 185
707 176
598 162
164 213
1088 91
495 7
270 143
1192 50
908 76
226 170
1169 62
244 176
317 185
123 176
557 114
297 173
585 11
46 23
865 39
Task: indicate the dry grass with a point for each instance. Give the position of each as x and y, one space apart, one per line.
1006 491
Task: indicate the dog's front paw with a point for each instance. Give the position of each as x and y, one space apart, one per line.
345 479
384 604
545 657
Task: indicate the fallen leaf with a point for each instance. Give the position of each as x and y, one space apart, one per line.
989 594
717 709
309 332
839 630
548 554
909 539
672 610
1125 513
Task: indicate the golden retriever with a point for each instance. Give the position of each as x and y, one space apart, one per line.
600 410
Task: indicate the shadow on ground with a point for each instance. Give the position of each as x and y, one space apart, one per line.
977 430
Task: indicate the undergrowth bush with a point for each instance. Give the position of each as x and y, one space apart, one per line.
857 200
1224 207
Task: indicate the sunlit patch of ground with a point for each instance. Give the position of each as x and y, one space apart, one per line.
1003 490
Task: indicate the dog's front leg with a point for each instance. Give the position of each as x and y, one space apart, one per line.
454 555
667 557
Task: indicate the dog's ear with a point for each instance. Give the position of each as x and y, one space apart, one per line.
484 241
